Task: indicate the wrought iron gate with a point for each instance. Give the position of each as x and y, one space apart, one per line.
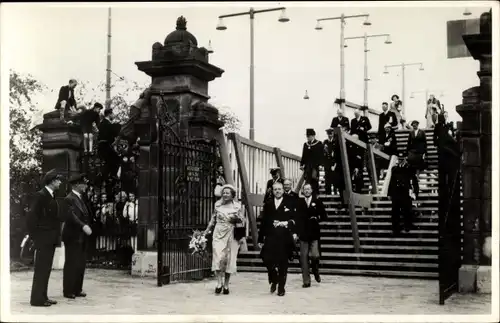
185 203
450 222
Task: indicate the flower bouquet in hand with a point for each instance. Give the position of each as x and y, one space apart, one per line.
198 244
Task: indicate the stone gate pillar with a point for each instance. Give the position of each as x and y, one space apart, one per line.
61 144
475 273
180 72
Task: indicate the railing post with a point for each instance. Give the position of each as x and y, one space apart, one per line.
224 154
245 185
299 184
348 189
279 161
373 168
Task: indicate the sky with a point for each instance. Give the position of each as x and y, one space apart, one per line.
57 42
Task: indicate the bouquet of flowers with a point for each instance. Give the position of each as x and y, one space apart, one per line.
198 244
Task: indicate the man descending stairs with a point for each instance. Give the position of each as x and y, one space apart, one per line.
413 254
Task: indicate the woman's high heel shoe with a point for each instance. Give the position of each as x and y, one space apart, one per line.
218 290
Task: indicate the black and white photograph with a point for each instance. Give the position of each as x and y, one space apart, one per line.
250 161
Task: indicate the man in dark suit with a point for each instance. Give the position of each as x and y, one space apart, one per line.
76 228
399 191
386 117
355 155
310 212
329 161
312 158
276 238
289 193
340 121
44 227
107 134
66 102
276 178
360 125
416 150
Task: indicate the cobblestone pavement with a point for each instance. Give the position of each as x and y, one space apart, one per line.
117 293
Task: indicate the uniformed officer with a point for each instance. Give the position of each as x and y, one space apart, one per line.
44 227
399 191
312 158
329 160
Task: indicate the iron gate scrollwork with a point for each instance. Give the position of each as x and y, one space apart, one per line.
450 222
185 171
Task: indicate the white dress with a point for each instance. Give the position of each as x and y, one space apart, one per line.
224 246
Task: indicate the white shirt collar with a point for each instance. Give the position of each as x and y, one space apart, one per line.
308 200
277 202
77 194
51 192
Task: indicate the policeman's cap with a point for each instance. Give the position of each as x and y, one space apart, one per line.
77 179
51 176
329 131
274 170
415 122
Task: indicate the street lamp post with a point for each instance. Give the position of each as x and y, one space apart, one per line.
251 13
403 66
366 50
342 19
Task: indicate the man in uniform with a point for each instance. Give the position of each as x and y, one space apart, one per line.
76 228
276 178
310 212
399 191
276 238
44 227
329 162
312 158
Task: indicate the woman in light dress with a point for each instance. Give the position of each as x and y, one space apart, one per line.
396 107
228 212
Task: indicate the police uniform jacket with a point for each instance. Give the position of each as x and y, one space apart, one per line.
44 219
400 183
329 152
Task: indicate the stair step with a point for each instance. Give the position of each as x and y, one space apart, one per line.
352 272
325 263
327 255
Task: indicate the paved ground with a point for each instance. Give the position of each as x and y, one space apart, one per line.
115 293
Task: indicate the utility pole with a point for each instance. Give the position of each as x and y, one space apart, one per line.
108 64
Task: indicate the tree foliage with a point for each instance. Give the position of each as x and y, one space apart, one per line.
231 121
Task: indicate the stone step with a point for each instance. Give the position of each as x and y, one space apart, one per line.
359 264
295 269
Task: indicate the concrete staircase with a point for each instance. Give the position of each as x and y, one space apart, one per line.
414 254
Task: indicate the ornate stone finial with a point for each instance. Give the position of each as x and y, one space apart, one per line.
181 23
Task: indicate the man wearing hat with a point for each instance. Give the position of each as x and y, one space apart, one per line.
416 150
276 178
329 161
76 228
44 228
399 191
312 158
89 119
